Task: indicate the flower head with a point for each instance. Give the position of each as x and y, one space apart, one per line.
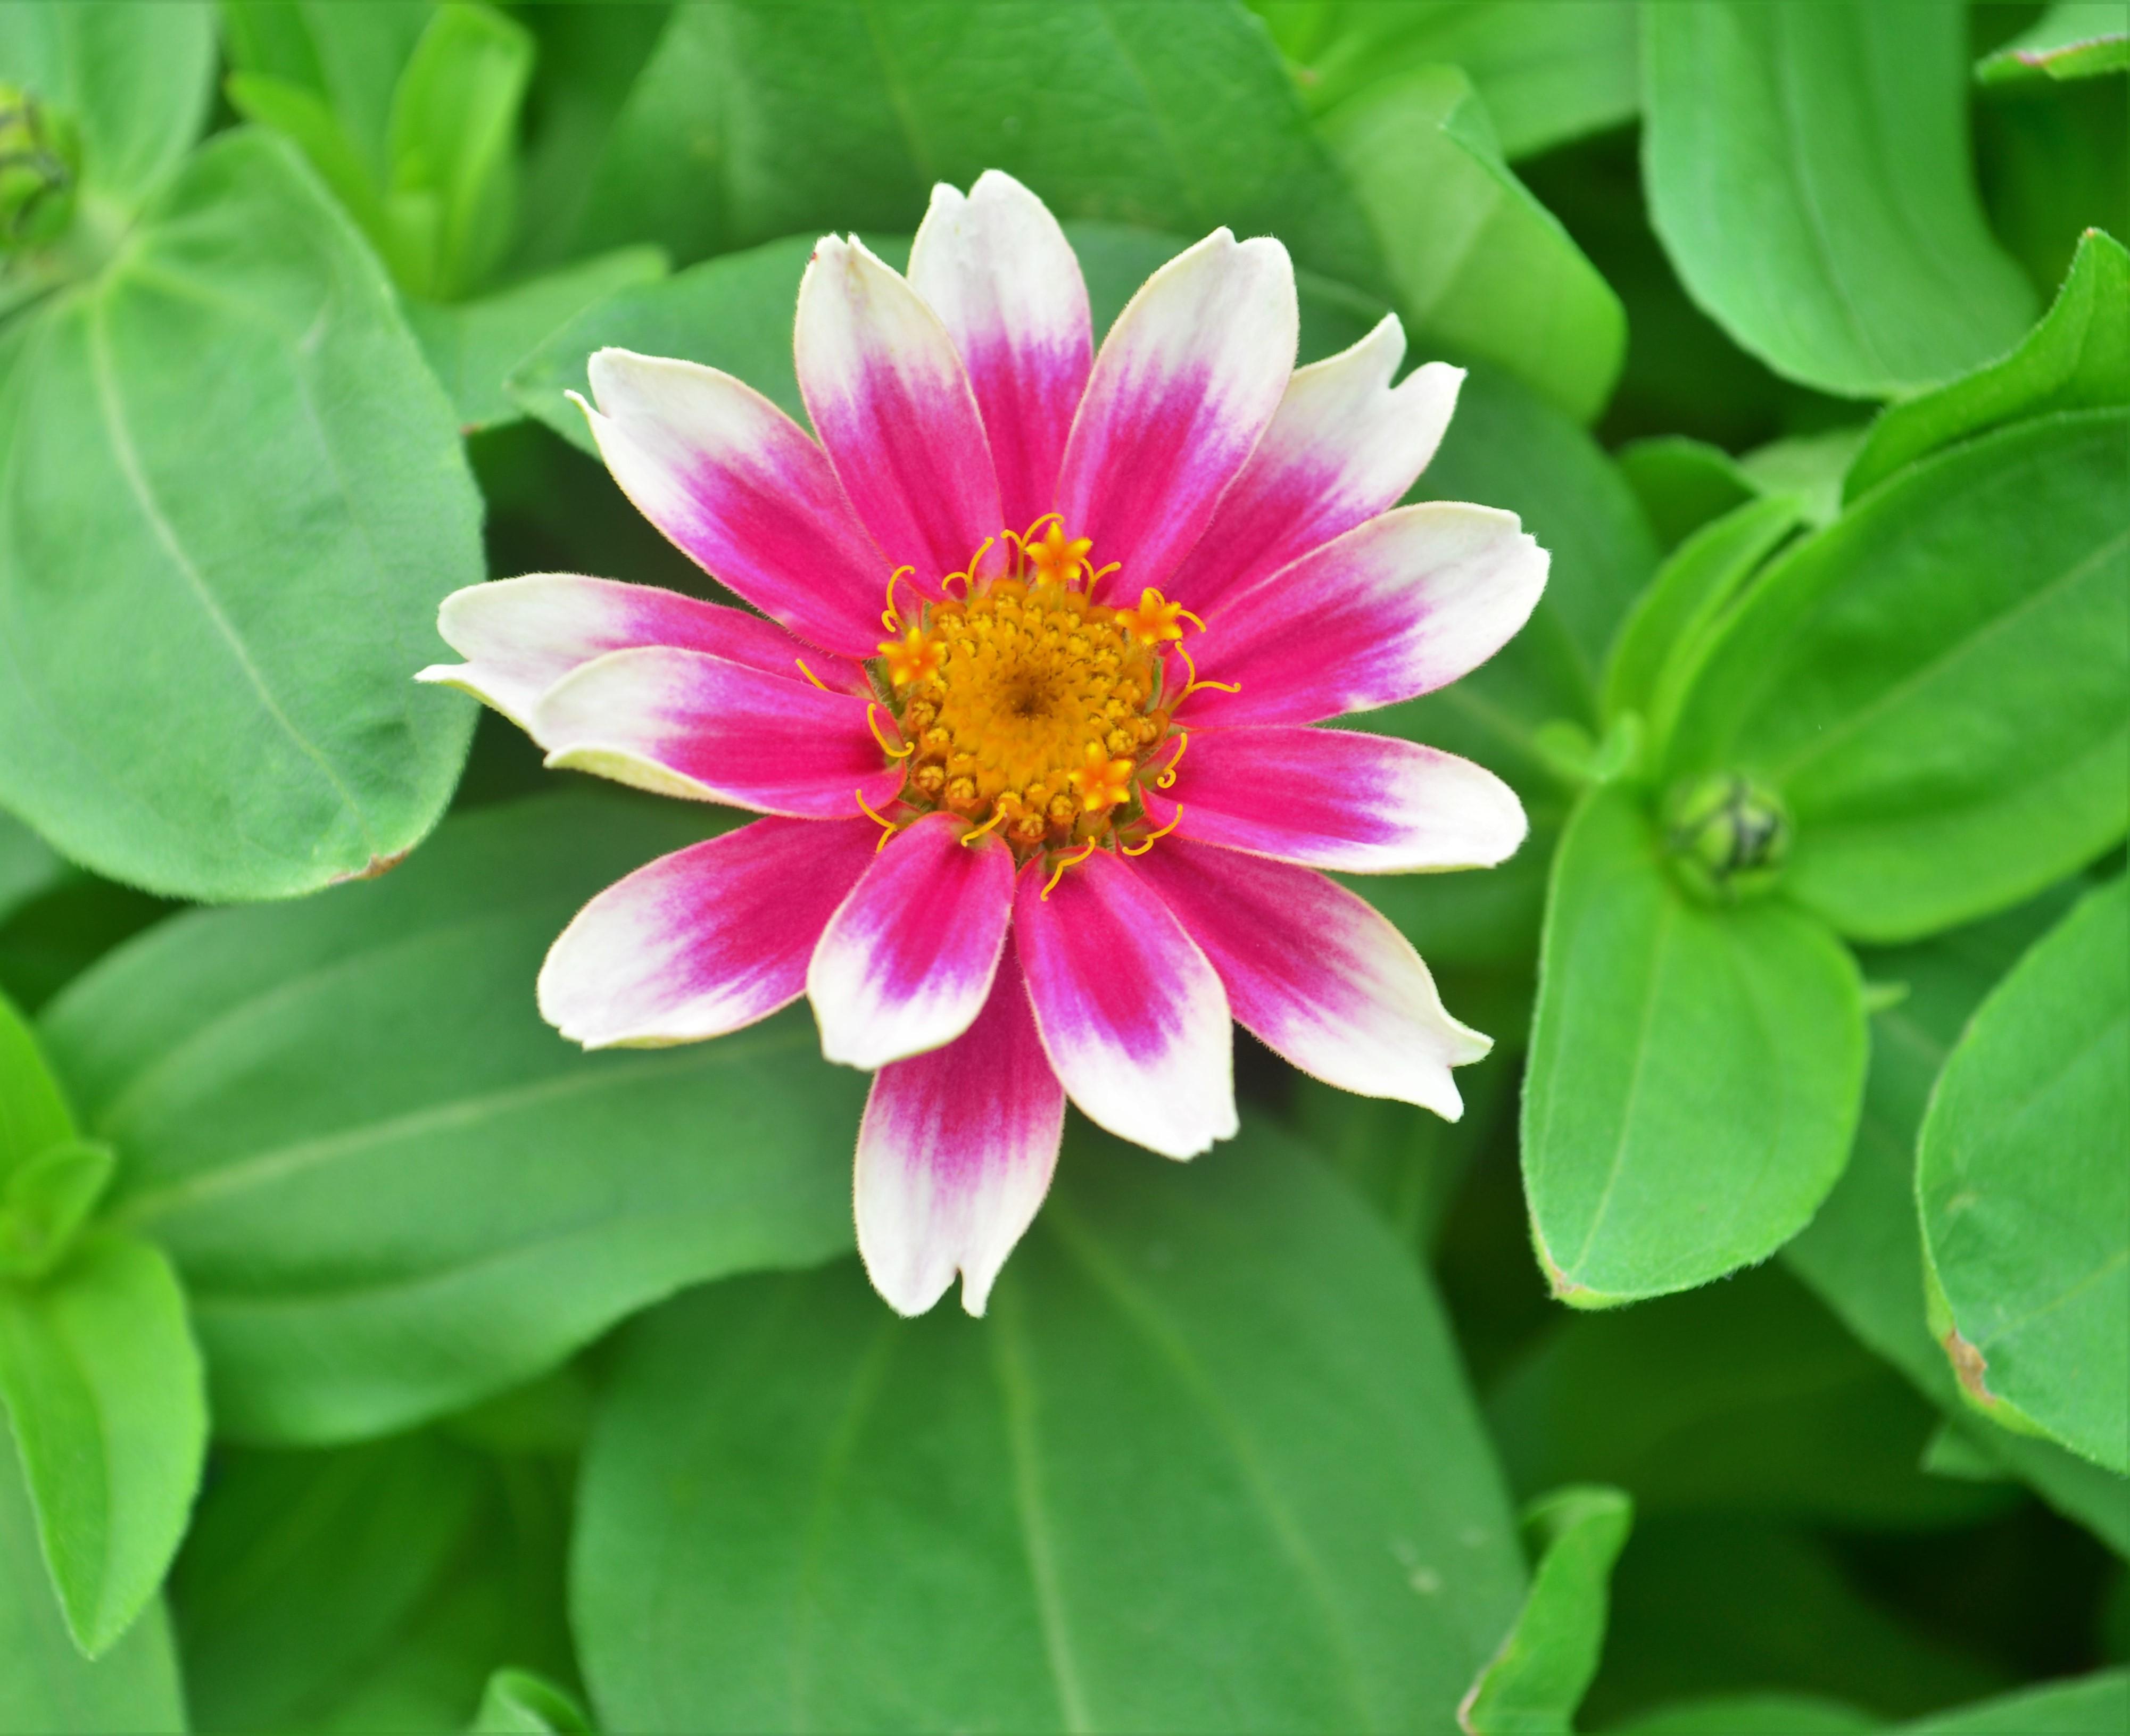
1067 821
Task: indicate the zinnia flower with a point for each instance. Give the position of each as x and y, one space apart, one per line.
1030 717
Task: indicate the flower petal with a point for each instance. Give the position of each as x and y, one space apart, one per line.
906 961
1336 799
1319 973
1004 280
738 487
522 636
1345 445
1400 606
955 1154
687 724
703 941
1184 385
1131 1014
892 405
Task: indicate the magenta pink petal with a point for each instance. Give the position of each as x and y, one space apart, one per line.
955 1155
1184 385
1130 1013
1345 445
905 963
889 399
1336 798
703 941
1400 606
736 484
1317 973
685 723
998 271
520 636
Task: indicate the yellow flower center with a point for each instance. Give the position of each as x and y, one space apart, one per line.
1026 707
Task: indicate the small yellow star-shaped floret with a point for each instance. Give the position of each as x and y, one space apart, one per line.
912 658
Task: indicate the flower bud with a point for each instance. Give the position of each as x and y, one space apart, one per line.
1728 836
40 166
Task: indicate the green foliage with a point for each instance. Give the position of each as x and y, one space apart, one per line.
2025 1198
518 1703
2075 39
1807 169
1207 1464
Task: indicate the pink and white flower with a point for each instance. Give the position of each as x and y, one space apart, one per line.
1062 824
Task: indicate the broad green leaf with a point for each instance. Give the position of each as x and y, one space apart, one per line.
1807 166
1683 603
1807 468
33 1108
46 1685
350 57
28 865
2050 156
1533 1685
1694 1071
453 194
1178 118
103 1388
1743 1396
1207 1464
1752 1715
137 80
2075 39
44 1203
53 937
1478 266
392 1189
2025 1195
2094 1705
1547 73
2077 358
473 346
517 1703
370 1588
1682 484
1939 684
1862 1254
235 496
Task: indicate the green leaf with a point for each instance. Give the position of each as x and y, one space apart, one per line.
350 57
452 195
517 1703
1862 1254
1807 172
2050 156
1694 1072
474 345
54 937
372 1588
1743 1396
33 1110
235 497
1807 468
28 867
1682 484
1534 1684
45 1684
103 1387
306 119
1752 1715
2097 1706
44 1202
1547 73
2024 1195
1177 118
138 81
1682 605
1936 685
2076 39
2077 358
1207 1464
392 1189
1479 268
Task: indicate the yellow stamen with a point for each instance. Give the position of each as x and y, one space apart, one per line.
872 723
1221 687
890 618
999 814
1168 771
809 675
1149 842
1064 862
887 827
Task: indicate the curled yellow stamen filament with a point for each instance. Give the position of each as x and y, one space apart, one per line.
1064 862
1219 687
890 618
1152 838
1185 614
998 817
872 723
1168 771
1097 576
887 828
809 675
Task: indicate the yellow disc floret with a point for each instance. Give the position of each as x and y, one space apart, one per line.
1029 709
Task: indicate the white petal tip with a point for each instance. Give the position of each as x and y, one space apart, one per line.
443 674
